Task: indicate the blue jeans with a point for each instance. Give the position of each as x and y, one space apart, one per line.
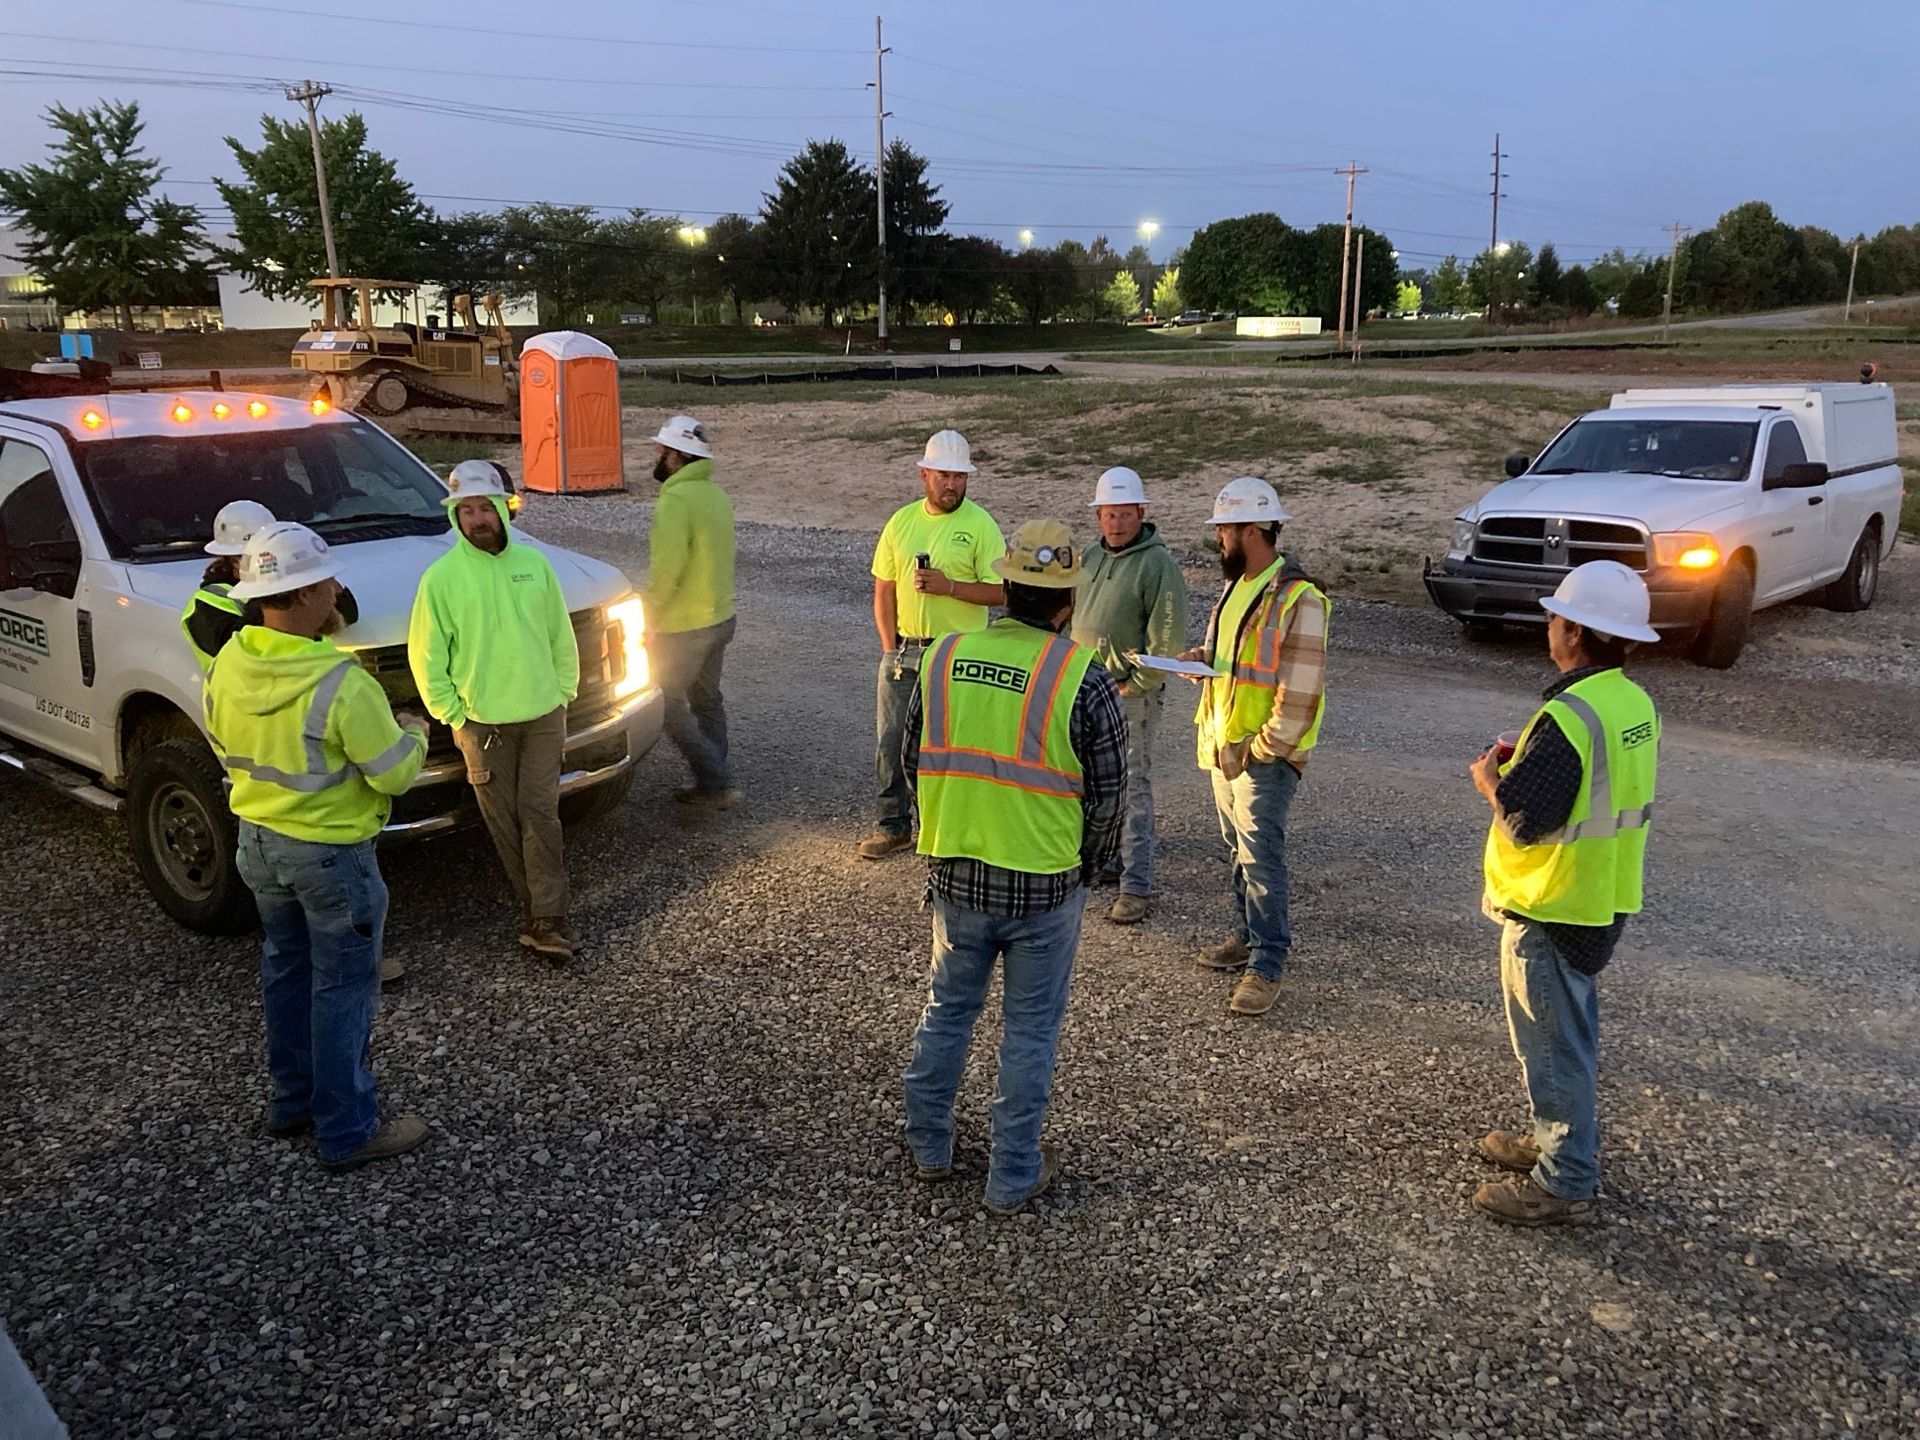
1253 823
1037 953
687 665
1136 840
323 909
899 674
1553 1015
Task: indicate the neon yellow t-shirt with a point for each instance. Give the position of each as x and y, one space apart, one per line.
963 545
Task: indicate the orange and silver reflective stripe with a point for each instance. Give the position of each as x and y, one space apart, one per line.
938 668
999 769
1046 676
1603 822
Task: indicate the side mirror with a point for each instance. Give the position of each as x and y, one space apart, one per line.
1517 465
1801 475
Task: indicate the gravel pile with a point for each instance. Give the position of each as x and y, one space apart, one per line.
666 1194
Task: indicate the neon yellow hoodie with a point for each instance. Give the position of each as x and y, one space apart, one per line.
690 553
307 737
490 638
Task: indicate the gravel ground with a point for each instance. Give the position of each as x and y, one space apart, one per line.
665 1194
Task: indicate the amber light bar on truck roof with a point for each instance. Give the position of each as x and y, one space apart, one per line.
181 413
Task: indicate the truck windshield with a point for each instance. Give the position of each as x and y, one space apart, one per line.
156 496
1687 449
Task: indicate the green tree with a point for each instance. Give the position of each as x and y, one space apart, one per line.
1576 292
915 217
1890 262
1043 283
1167 301
1546 279
380 227
560 255
1409 299
1610 273
1449 286
1497 279
818 229
1644 294
646 260
733 264
969 271
1121 299
96 234
467 255
1761 256
1242 265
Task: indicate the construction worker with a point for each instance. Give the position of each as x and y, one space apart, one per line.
314 753
1564 862
1259 719
1017 746
689 605
1134 601
212 616
493 654
933 575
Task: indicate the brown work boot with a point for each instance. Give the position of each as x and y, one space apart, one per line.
1254 995
1129 910
392 971
1227 955
1049 1169
396 1137
1509 1149
724 799
549 938
1520 1201
882 843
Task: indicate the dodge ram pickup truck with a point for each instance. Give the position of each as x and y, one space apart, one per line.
1727 499
105 502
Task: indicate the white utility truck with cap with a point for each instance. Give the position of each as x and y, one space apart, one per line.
106 505
1725 499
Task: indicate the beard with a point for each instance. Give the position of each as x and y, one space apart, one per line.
946 506
1233 563
334 623
660 470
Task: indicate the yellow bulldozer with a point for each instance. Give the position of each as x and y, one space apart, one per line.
456 379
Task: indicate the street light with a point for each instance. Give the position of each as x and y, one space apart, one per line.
693 235
1149 229
1026 237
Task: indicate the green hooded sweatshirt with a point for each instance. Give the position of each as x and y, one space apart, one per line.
490 638
1132 599
307 737
690 559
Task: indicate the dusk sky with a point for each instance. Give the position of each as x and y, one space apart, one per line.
1063 118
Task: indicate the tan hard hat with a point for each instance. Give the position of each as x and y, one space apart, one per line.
1041 554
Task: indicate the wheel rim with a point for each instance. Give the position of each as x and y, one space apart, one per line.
1869 573
390 394
185 839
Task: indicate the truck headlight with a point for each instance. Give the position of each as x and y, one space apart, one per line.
1686 550
1462 536
630 615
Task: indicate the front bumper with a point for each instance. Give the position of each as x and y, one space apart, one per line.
1476 590
597 751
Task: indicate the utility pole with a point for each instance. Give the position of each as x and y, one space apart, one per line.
1346 247
1679 232
310 95
1852 270
880 165
1493 238
1359 266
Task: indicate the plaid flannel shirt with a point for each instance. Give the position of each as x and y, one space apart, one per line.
1097 729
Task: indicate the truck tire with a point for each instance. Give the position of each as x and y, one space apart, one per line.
586 806
183 837
1724 636
1857 584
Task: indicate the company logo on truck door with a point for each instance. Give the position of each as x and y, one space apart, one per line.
23 632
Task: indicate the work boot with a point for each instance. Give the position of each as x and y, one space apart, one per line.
1254 995
1129 910
1509 1149
723 799
289 1129
396 1137
930 1175
882 843
1049 1168
549 938
1106 879
392 971
1227 955
1520 1201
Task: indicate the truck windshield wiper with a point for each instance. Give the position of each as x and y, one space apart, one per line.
1556 470
376 517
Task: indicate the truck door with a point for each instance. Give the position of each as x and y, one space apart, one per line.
42 697
1794 522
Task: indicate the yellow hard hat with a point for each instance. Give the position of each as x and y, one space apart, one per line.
1041 554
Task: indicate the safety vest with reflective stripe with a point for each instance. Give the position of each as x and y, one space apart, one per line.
307 738
999 781
1591 870
215 597
1238 705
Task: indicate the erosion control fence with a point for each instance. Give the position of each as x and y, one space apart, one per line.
795 375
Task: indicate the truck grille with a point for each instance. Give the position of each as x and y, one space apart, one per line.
602 666
1550 542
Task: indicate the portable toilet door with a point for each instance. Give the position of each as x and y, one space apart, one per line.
570 415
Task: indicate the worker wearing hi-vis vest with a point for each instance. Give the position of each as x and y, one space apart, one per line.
1564 861
314 754
1017 747
1259 719
212 616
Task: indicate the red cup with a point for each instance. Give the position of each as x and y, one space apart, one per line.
1505 744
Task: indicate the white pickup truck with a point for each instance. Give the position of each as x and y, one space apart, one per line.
105 502
1727 499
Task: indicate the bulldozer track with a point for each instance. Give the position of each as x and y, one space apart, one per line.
423 394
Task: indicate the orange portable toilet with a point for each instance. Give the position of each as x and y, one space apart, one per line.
570 415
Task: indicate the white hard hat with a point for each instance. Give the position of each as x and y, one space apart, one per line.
282 557
1119 486
948 450
477 477
1248 501
236 521
1606 596
687 435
